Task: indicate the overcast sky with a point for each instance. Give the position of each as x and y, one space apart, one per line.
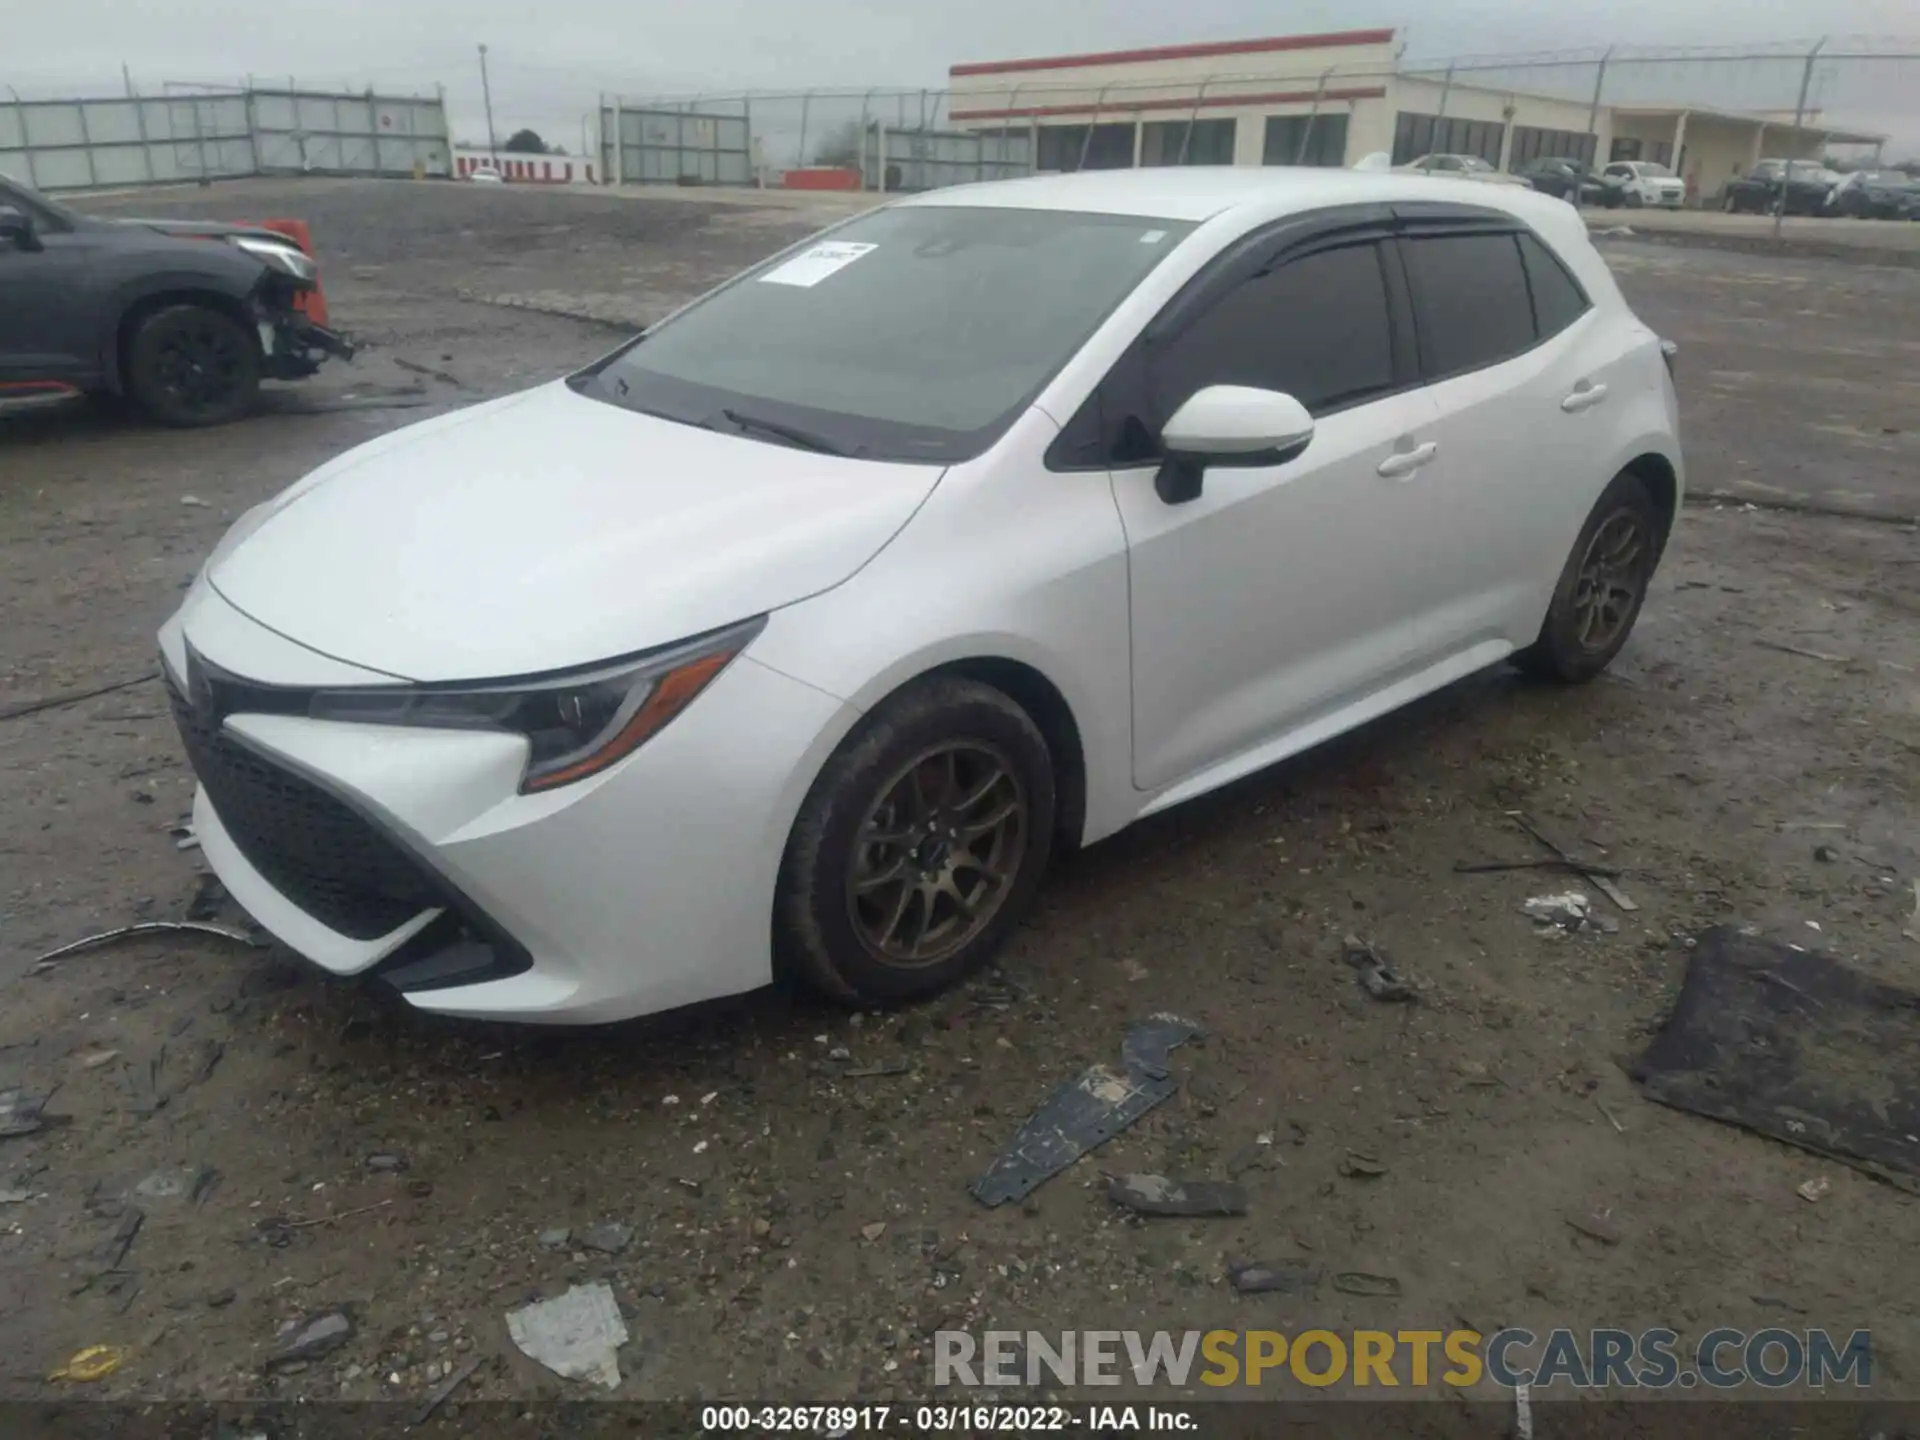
550 62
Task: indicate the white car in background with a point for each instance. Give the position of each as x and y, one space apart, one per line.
783 640
485 175
1645 183
1462 167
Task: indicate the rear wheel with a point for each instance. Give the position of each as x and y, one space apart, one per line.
191 365
919 846
1602 587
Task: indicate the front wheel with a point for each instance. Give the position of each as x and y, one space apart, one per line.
190 365
919 846
1602 587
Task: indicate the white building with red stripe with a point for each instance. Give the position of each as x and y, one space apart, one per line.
1331 99
525 169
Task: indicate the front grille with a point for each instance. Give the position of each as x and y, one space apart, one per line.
315 850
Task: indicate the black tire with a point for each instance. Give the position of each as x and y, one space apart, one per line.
190 365
825 928
1632 200
1575 644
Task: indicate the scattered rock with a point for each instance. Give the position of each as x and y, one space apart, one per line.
1157 1195
1825 854
1560 914
1375 976
193 501
20 1112
220 1299
609 1238
95 1059
386 1164
1815 1190
316 1336
15 1197
1361 1167
166 1184
575 1335
873 1232
555 1239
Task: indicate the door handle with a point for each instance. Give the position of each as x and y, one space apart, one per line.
1405 462
1584 397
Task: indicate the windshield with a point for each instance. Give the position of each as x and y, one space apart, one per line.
1473 162
915 333
1648 167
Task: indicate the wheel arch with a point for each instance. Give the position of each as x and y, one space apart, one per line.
1662 478
140 307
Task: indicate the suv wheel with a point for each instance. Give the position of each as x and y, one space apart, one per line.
1601 589
919 846
192 365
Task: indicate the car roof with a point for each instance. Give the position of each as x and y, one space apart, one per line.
1202 192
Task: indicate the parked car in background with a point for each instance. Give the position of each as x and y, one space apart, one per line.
1877 195
781 641
1646 183
1555 175
1768 188
183 317
1460 167
485 175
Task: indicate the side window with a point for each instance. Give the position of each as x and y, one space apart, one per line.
1558 300
1317 328
1470 301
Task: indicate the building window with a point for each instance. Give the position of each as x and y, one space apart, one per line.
1206 142
1415 135
1306 140
1625 149
1533 143
1063 146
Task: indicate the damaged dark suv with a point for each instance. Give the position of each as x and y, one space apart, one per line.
184 318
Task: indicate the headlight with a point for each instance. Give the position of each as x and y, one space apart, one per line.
283 256
576 724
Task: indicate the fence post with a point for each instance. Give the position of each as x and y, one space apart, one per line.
881 161
806 103
199 137
1186 136
1799 113
1446 89
1593 127
1306 132
1086 145
619 175
86 142
139 121
253 129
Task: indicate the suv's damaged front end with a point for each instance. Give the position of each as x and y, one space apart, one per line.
292 342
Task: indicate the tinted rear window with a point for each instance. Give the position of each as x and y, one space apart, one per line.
1470 300
1558 300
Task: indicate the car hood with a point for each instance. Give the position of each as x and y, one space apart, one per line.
205 229
548 530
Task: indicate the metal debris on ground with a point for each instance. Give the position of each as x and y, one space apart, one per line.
1804 653
1376 977
146 927
447 1387
1157 1195
1596 1227
1286 1277
1359 1282
1794 1046
73 697
1601 878
574 1335
868 1072
20 1112
1088 1110
318 1335
96 1362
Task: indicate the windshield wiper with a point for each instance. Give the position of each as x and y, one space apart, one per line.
792 434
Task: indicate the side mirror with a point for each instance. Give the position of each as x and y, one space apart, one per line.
1229 425
16 229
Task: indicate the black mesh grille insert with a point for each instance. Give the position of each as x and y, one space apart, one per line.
309 846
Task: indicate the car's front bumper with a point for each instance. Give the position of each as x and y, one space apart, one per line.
640 889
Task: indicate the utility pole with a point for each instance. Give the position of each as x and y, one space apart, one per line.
1593 129
486 94
1799 115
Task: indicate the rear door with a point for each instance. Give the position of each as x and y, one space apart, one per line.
1520 379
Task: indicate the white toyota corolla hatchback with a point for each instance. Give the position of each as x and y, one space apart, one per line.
797 634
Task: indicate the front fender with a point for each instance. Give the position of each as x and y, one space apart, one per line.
222 273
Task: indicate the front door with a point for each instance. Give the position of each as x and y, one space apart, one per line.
1282 593
45 318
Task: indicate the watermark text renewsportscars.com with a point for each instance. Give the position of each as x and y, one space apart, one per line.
1655 1359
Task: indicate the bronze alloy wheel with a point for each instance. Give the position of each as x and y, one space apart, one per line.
939 852
1613 574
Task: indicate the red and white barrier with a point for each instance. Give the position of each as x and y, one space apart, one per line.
526 169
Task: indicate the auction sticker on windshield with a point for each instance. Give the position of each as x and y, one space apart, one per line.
815 264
